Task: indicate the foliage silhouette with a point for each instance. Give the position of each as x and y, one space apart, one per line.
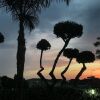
66 31
7 83
69 53
43 45
1 38
43 79
97 44
18 80
84 57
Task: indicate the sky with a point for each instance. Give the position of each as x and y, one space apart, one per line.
85 12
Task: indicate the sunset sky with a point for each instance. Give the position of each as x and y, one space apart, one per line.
85 12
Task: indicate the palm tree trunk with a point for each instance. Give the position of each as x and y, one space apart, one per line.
41 63
57 58
81 72
21 51
64 71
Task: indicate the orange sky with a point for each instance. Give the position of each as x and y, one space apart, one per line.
93 69
33 56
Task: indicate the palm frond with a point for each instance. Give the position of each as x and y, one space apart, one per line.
31 21
66 1
27 9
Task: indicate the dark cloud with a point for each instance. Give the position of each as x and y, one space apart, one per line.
84 12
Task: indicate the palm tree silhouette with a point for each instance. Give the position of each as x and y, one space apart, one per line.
84 57
1 38
21 11
25 12
69 53
97 44
66 31
43 45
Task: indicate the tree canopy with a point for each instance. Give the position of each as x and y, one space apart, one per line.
85 57
43 44
70 53
68 29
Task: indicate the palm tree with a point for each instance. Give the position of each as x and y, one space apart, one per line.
97 44
69 53
66 31
84 57
42 45
1 38
25 12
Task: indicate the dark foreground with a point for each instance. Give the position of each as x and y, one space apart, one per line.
52 91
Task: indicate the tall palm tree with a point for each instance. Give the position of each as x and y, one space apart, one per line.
25 12
84 57
42 45
1 38
66 31
97 44
21 11
69 53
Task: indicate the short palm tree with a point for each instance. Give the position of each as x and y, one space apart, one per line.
69 53
84 57
1 38
66 31
42 45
